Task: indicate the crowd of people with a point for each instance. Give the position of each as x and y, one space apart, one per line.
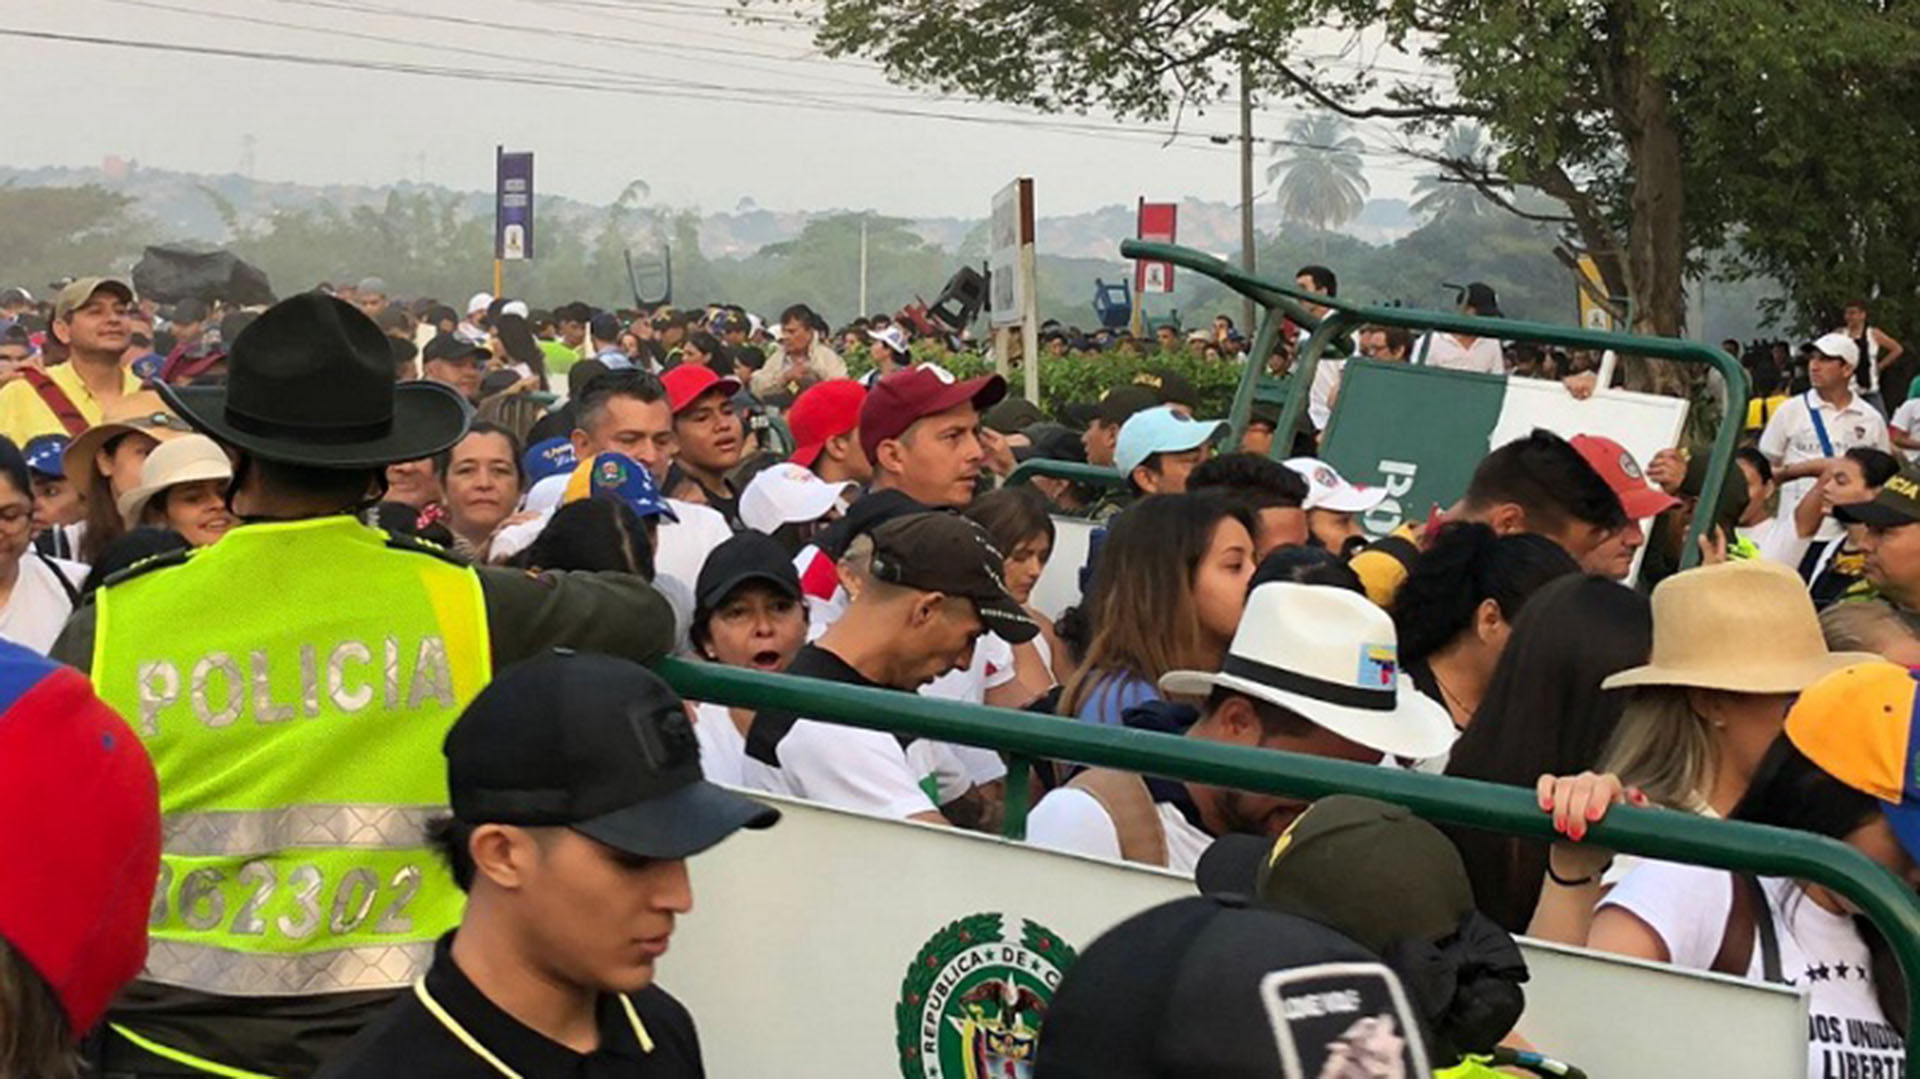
354 559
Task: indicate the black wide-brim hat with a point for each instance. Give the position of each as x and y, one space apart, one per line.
310 382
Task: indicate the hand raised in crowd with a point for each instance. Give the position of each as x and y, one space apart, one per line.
1577 803
1668 469
1582 385
999 453
1713 546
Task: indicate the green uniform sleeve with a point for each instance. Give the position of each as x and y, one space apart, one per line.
615 613
74 646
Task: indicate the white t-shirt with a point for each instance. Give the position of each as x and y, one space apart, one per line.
868 771
1325 388
723 751
1906 419
992 667
1791 438
1070 819
681 548
1688 906
1445 350
38 608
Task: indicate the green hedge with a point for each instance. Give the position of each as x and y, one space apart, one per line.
1084 376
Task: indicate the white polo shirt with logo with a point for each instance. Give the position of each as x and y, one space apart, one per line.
1790 438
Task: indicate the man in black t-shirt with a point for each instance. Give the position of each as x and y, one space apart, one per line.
571 837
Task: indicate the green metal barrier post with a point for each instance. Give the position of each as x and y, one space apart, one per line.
1668 835
1343 316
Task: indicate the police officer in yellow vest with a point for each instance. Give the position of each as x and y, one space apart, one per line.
293 684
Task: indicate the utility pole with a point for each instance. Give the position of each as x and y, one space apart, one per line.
1247 260
862 312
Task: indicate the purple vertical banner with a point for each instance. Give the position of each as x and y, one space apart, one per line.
512 205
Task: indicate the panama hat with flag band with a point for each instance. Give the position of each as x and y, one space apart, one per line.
144 412
1861 725
310 382
1331 657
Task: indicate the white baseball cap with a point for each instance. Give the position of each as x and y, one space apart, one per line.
1160 430
514 307
785 494
1327 490
893 337
480 302
1838 346
1331 656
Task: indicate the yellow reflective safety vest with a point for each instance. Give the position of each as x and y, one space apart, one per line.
293 684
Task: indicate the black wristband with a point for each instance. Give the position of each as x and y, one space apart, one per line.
1580 882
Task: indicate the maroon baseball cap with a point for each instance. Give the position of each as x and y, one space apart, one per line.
689 382
823 410
1624 475
899 400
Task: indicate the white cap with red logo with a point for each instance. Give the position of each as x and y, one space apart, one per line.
1326 490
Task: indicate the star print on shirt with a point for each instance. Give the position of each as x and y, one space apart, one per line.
1841 970
1817 974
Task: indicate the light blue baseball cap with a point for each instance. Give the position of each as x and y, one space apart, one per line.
1160 430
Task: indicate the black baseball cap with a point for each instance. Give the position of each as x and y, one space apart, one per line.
1898 502
867 513
948 553
1367 868
1169 387
446 346
1012 415
1207 988
593 743
748 556
1115 406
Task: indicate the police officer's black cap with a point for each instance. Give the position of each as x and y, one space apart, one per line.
593 743
310 382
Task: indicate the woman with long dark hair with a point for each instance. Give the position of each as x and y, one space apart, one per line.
1458 605
1544 713
1168 588
1017 521
519 350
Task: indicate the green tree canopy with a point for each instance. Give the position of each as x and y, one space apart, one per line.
1321 179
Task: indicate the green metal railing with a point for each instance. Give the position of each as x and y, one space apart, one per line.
1027 737
1283 301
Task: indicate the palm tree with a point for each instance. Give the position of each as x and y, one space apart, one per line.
1438 198
1322 181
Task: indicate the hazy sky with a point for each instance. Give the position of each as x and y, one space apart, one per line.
704 109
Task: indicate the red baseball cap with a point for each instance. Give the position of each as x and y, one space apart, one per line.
897 401
823 410
689 382
1623 474
82 845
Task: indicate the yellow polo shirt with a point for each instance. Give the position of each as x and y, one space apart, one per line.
23 415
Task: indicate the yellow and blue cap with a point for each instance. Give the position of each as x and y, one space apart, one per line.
1861 725
615 475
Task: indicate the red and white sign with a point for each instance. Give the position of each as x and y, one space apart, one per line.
1159 223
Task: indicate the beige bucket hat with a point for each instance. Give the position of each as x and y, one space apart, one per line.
1743 627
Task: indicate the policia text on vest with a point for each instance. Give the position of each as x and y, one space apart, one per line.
299 756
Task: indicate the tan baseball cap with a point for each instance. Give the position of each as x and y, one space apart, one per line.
77 294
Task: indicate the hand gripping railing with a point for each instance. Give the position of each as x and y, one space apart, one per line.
1282 301
1026 737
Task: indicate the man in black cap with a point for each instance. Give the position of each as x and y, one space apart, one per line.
293 683
454 363
930 589
571 838
1207 988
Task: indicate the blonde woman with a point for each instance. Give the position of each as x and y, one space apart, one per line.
1733 645
1870 626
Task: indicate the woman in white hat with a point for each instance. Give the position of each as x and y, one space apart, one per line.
183 487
